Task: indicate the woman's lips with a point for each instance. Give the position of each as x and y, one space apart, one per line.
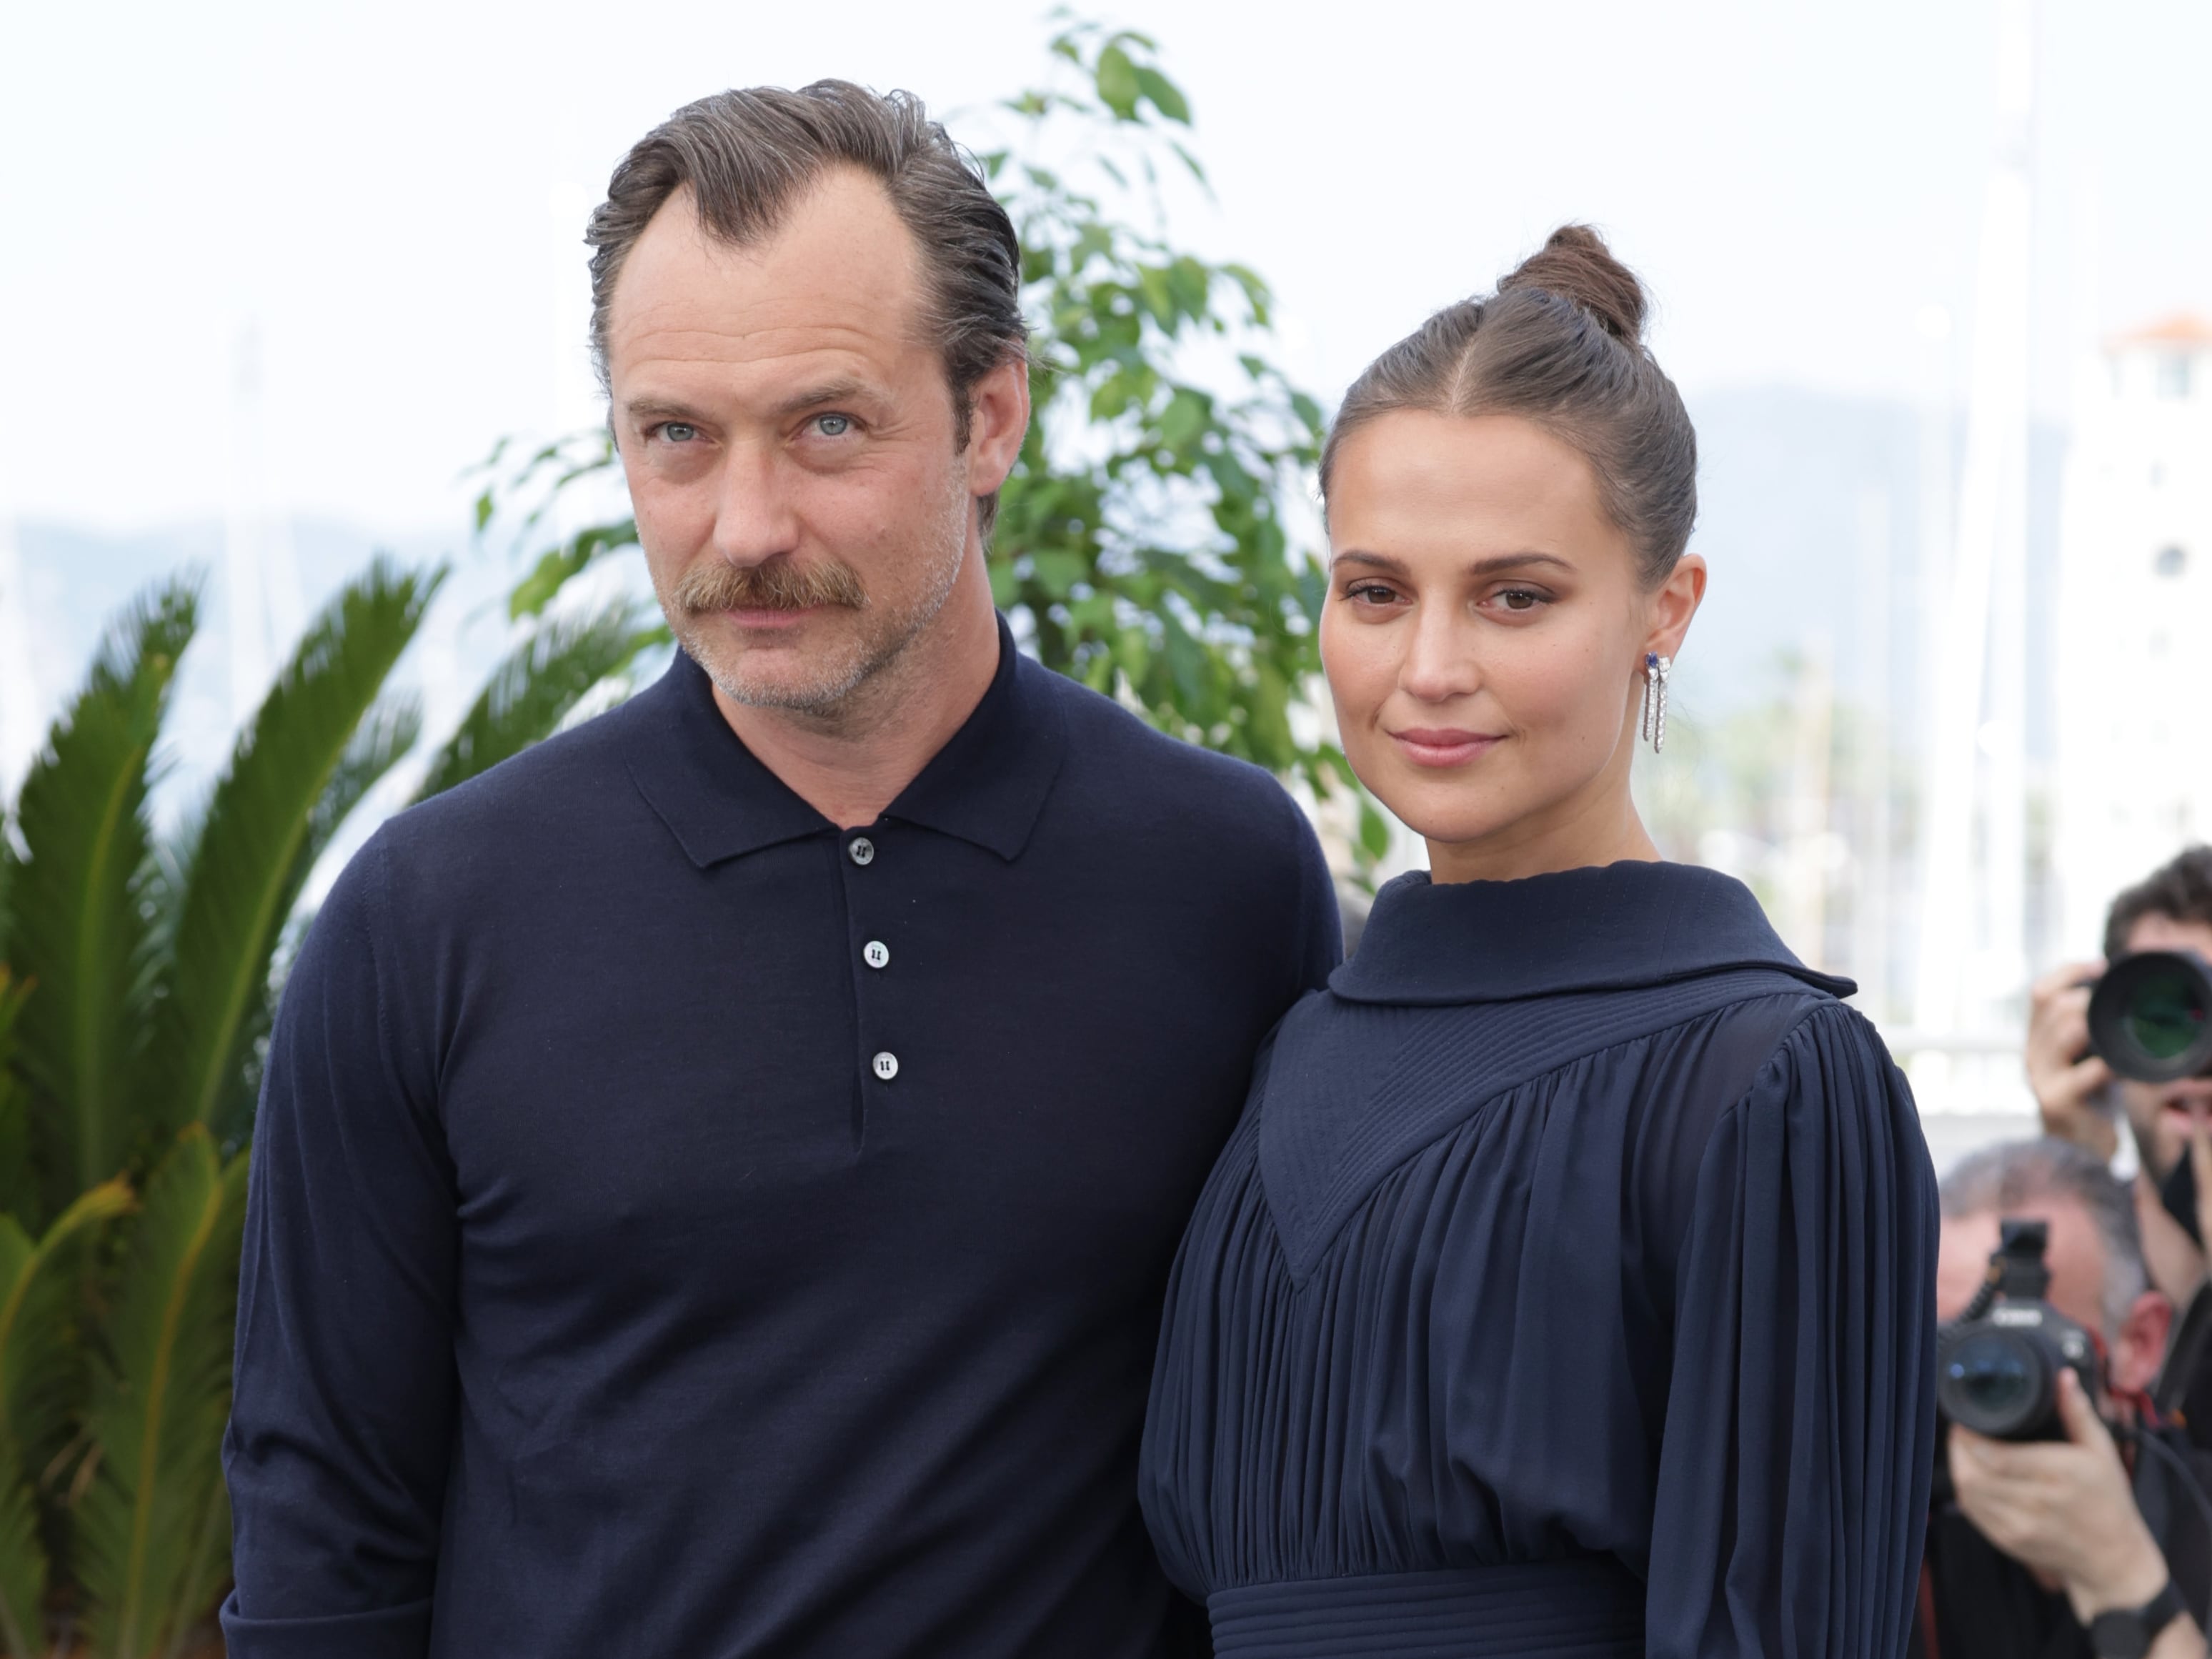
1443 746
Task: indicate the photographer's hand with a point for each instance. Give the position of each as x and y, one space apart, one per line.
2066 1079
2065 1510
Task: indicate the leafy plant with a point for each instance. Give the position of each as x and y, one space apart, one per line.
138 975
1142 545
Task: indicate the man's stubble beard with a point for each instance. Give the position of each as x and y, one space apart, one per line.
839 678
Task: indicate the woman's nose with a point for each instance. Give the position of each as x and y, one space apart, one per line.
1440 661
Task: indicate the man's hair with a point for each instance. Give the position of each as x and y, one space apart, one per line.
748 155
2004 1180
2181 889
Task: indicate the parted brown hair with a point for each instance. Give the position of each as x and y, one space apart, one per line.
1561 344
747 155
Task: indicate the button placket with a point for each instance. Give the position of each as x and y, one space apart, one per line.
883 1064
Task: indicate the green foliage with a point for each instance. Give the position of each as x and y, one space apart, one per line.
259 839
530 693
1141 538
41 1364
152 1526
81 928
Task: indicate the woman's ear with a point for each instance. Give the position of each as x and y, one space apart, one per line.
1674 602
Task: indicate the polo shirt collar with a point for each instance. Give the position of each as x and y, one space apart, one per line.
1614 927
986 785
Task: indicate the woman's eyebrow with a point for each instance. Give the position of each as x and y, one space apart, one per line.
1490 567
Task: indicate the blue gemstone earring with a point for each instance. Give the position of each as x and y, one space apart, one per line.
1656 669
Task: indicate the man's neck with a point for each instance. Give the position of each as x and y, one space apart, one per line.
850 763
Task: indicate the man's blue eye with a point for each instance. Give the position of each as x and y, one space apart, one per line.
833 426
678 432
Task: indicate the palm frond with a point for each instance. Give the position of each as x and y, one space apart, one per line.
19 1191
259 839
80 933
161 1392
41 1371
534 689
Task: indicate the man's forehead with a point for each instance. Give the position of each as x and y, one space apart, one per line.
839 273
2158 931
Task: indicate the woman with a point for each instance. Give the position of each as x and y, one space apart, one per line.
1566 1287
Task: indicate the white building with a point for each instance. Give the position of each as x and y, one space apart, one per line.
2134 780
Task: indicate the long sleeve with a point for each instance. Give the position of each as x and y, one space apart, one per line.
1799 1430
342 1424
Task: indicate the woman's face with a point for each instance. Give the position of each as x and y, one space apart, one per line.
1485 634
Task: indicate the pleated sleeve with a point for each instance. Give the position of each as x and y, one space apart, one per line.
1800 1418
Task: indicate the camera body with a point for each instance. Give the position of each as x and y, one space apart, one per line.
2150 1016
1997 1363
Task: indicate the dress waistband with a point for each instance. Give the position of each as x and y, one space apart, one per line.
1587 1607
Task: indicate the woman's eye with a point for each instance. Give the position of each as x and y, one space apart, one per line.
1371 593
1520 599
833 426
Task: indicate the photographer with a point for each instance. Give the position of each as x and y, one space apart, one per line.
2031 1541
2077 1093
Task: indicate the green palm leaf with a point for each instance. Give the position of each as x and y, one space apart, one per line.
532 691
161 1394
80 932
262 827
40 1370
19 1194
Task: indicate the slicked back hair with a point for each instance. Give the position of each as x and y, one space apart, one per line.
748 155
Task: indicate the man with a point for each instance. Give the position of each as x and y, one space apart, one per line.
717 1173
2171 909
2044 1537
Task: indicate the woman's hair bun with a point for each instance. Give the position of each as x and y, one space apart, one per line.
1575 265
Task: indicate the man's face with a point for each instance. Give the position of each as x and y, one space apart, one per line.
788 437
2159 1112
2076 1257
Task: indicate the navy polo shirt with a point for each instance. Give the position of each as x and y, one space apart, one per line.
680 1227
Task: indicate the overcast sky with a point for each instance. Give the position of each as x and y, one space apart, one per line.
392 194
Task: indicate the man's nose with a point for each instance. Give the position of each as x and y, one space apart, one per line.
756 514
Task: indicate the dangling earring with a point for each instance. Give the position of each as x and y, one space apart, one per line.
1655 670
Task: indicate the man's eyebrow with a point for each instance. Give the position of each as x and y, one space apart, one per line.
658 409
842 390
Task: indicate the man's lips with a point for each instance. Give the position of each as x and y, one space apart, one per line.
750 616
1427 745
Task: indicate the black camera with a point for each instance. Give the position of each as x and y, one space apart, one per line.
2150 1017
1997 1363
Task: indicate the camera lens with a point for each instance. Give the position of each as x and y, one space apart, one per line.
2151 1016
2165 1015
1994 1383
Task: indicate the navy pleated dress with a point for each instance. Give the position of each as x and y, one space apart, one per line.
1567 1288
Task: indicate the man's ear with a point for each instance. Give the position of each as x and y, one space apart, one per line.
998 419
2142 1347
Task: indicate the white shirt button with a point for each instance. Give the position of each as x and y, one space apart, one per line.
863 850
886 1065
875 953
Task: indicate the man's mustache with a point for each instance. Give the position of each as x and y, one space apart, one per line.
777 585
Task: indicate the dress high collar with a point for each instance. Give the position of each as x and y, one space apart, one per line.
1597 929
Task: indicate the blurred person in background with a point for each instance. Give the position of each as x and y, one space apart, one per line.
2082 1101
717 1171
2029 1542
